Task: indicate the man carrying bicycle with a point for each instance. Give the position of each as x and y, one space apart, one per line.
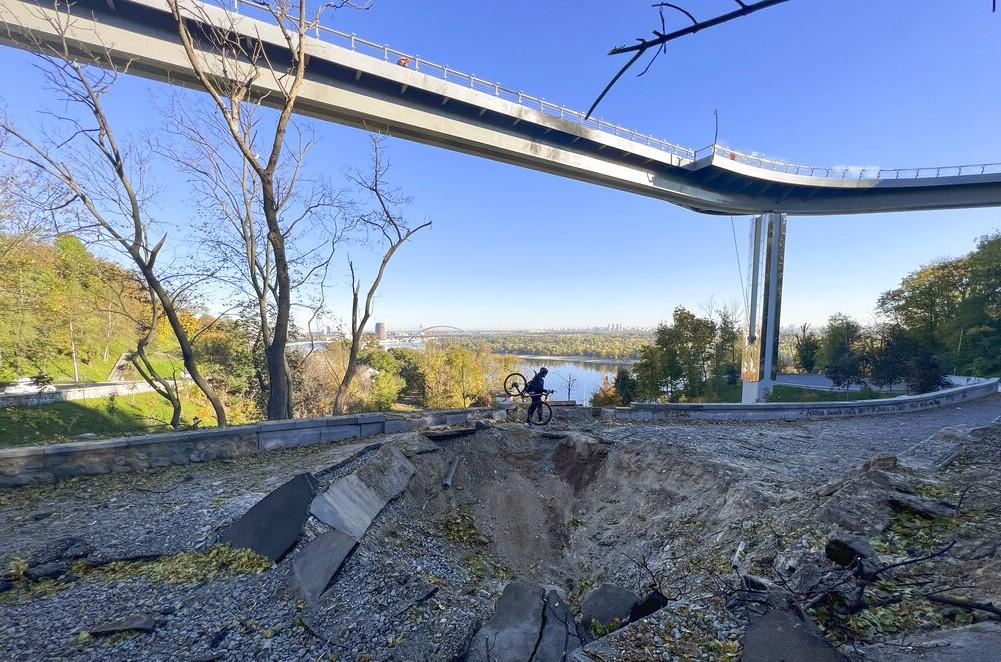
536 388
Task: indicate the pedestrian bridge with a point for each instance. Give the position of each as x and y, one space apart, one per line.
371 86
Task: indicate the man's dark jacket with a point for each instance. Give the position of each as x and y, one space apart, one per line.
536 386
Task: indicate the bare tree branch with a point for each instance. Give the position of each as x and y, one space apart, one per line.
661 37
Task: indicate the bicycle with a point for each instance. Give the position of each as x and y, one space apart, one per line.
514 386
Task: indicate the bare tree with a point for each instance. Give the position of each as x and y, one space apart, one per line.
138 303
26 207
314 219
385 221
106 179
569 383
229 68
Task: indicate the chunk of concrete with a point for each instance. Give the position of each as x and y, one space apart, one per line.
846 549
972 643
63 549
865 516
142 622
560 635
273 525
512 634
49 570
607 603
352 502
921 506
318 562
779 636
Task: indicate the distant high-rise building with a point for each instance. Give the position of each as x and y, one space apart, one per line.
380 330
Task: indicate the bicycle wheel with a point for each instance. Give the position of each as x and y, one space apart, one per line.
543 414
514 384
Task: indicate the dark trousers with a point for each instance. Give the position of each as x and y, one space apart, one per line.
534 407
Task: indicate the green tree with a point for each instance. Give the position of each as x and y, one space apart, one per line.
650 374
807 348
977 330
726 364
891 362
845 369
625 386
73 301
927 302
839 339
409 361
925 374
387 382
689 358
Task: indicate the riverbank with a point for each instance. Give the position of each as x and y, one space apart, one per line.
574 359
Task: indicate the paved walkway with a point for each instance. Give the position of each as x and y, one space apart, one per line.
159 511
814 450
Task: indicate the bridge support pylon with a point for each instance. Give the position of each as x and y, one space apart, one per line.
761 353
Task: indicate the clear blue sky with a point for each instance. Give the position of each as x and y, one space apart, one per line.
892 83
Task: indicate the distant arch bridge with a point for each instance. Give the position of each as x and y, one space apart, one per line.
430 332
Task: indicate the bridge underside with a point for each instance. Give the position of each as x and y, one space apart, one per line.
349 88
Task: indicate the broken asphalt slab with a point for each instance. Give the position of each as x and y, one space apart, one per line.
274 523
141 622
608 603
512 634
352 502
972 643
318 562
779 636
560 635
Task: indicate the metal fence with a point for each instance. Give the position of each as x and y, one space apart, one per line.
444 72
847 172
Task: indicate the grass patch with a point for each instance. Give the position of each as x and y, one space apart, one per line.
600 630
481 565
180 568
785 393
910 614
461 528
105 417
184 567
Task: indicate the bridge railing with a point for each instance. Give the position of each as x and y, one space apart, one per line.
848 172
444 72
417 63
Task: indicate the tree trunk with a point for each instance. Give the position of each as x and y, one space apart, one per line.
107 339
76 369
187 353
156 381
341 399
279 389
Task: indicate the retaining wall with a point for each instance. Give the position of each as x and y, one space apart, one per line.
40 464
786 410
74 393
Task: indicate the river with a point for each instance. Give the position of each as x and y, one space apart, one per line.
587 371
588 374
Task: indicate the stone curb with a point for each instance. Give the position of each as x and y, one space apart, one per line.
50 463
786 410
